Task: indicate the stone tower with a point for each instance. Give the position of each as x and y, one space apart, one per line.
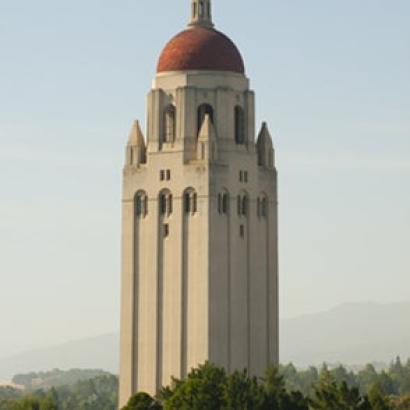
199 227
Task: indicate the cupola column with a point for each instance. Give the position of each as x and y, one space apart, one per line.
201 14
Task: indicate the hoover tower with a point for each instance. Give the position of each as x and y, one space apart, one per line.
199 219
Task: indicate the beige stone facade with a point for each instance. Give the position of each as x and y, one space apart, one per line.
199 234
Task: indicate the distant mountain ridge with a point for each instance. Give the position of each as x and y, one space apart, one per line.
352 334
100 352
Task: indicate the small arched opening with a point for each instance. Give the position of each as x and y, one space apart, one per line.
223 203
263 206
141 204
243 204
190 201
165 203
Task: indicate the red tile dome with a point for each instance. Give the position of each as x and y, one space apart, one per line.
200 48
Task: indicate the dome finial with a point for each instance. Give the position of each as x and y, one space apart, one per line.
201 13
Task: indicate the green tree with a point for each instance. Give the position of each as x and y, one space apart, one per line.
402 403
329 395
26 403
142 401
367 378
203 389
378 400
276 395
306 380
342 375
242 392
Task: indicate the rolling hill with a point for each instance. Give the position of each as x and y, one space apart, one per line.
353 334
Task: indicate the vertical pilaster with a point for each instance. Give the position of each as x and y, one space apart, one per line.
274 269
219 275
127 341
155 103
224 117
186 123
250 119
172 294
148 297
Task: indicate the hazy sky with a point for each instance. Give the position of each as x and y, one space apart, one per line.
332 80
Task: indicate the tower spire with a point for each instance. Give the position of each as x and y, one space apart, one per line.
201 14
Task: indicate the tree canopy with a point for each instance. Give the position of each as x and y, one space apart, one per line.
211 387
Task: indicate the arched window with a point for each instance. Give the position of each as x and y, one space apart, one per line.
223 203
141 204
190 201
239 125
201 9
169 124
263 206
243 204
165 203
202 111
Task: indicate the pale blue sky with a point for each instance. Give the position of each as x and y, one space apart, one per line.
331 78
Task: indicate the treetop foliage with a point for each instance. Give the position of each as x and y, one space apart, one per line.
210 387
55 378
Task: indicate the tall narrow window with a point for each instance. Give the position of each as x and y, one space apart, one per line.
190 201
165 203
202 111
225 203
141 204
186 202
170 124
239 125
264 207
243 204
194 202
169 204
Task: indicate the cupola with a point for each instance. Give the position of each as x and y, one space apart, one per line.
201 47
